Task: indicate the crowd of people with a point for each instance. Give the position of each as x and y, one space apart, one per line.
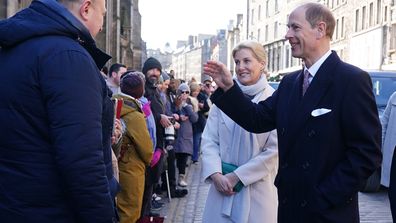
83 143
160 118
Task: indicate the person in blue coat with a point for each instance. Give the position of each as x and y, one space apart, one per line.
329 134
55 114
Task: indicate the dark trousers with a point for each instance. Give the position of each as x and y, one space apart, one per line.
181 162
392 188
196 145
171 167
152 176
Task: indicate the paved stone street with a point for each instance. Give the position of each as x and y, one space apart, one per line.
374 207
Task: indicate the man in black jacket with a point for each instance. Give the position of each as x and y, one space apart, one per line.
55 115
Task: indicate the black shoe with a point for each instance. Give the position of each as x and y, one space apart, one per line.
179 193
152 214
156 205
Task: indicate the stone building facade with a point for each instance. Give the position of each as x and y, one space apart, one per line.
121 35
365 32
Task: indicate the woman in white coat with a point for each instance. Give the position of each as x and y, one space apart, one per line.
255 156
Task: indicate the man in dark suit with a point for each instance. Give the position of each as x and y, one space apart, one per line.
328 128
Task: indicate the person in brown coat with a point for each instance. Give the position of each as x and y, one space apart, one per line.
136 150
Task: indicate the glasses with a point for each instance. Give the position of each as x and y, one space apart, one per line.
185 92
208 85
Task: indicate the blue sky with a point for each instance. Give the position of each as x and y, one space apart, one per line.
171 20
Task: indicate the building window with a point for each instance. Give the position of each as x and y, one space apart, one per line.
336 29
259 13
267 9
342 27
393 38
258 35
357 20
266 33
278 58
378 11
276 6
287 59
252 18
385 13
363 17
276 30
371 14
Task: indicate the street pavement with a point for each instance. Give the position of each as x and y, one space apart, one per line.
374 207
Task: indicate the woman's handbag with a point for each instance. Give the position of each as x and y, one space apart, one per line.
228 168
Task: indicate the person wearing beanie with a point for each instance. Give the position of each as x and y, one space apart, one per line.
152 71
151 63
184 141
136 149
132 84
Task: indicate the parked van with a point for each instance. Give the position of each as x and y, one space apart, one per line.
384 84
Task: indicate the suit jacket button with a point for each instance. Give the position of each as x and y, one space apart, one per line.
282 132
305 166
311 133
284 201
303 203
284 166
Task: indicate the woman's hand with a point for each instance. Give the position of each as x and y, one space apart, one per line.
220 74
183 118
232 178
222 184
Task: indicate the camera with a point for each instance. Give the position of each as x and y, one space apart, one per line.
170 131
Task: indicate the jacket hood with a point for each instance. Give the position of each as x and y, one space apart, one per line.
44 18
130 104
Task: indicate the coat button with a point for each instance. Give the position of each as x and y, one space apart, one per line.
303 203
282 131
284 201
305 166
311 133
284 166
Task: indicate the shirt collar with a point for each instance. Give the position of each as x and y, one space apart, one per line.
315 67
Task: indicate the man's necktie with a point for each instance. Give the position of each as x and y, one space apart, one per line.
305 81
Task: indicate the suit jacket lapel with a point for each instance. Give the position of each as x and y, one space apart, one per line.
316 90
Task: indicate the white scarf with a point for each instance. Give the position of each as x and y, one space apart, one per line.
242 148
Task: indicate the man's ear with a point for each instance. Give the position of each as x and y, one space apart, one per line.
321 27
113 74
85 9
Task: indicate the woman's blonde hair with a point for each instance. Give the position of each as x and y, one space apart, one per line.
256 48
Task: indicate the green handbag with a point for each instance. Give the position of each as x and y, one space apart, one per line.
228 168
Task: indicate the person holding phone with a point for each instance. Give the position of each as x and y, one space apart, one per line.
184 141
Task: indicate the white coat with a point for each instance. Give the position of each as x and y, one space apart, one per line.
258 174
388 122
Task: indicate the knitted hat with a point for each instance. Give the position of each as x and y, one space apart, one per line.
206 78
151 63
132 84
165 76
183 87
